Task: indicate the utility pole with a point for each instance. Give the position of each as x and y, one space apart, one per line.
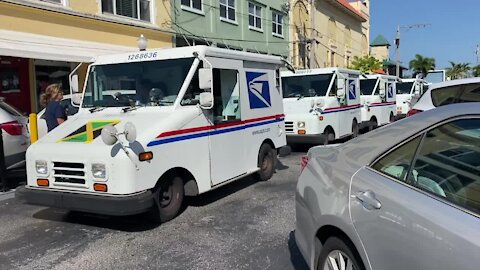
312 35
397 41
477 53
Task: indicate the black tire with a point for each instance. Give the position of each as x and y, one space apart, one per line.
392 118
266 162
169 197
355 129
373 124
329 136
334 244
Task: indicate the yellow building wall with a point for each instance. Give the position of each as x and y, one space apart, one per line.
300 26
347 37
43 22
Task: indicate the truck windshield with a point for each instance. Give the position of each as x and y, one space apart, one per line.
149 83
404 88
367 86
306 86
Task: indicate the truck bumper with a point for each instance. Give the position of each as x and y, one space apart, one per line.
307 138
98 204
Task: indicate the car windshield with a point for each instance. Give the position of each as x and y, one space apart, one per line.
148 83
404 88
306 86
367 86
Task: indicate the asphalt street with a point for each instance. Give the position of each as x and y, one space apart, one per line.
243 225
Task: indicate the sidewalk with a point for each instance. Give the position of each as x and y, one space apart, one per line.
15 178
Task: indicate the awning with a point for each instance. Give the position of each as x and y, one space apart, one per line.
35 46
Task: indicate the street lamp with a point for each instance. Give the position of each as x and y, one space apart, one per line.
397 41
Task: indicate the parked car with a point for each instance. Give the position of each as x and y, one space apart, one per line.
66 103
404 196
14 134
448 92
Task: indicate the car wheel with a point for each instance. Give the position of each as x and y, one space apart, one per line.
266 162
338 255
392 118
354 129
168 200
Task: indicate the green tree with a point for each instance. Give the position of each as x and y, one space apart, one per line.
476 71
421 65
458 70
366 64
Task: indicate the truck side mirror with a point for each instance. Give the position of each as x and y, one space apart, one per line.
417 90
206 100
205 77
341 88
382 90
341 93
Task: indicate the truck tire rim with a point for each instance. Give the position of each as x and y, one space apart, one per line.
266 161
338 260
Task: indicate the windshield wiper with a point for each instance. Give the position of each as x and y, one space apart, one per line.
131 108
96 109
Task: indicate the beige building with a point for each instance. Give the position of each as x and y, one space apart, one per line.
42 41
328 33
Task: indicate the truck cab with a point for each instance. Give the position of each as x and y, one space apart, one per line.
321 105
378 100
156 126
408 91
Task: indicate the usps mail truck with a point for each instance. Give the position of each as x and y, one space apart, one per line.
378 100
181 122
321 105
408 90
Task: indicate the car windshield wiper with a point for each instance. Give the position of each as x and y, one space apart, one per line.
96 109
131 108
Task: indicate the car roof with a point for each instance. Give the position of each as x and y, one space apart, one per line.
454 82
367 147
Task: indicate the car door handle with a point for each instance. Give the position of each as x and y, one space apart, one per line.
369 200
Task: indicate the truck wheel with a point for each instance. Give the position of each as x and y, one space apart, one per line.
168 199
354 129
392 118
266 162
373 124
329 136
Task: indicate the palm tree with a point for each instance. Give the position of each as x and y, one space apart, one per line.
421 65
458 71
476 71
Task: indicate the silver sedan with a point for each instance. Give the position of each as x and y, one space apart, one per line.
405 196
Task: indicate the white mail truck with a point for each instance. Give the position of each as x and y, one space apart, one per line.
180 122
378 100
408 90
321 105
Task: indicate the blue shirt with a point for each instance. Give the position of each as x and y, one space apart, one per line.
53 111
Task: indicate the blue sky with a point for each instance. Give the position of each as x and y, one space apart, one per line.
452 36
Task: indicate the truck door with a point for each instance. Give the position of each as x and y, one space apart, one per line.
227 139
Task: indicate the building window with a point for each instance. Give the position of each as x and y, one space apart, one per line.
277 24
227 10
136 9
254 16
192 5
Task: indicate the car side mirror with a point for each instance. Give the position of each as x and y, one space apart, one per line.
341 93
206 100
76 99
205 77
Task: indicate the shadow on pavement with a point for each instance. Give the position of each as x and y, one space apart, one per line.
15 178
280 166
221 192
296 257
137 223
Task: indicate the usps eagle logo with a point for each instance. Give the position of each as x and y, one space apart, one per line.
258 90
352 93
390 90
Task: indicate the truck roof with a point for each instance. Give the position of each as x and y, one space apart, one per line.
375 76
413 80
185 52
316 71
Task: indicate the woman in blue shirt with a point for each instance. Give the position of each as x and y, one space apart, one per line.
54 113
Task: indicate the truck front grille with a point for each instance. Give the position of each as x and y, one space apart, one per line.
69 172
289 127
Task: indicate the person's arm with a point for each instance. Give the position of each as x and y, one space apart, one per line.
60 114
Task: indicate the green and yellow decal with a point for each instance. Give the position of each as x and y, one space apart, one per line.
89 131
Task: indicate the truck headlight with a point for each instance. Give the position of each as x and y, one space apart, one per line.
41 166
301 124
99 171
